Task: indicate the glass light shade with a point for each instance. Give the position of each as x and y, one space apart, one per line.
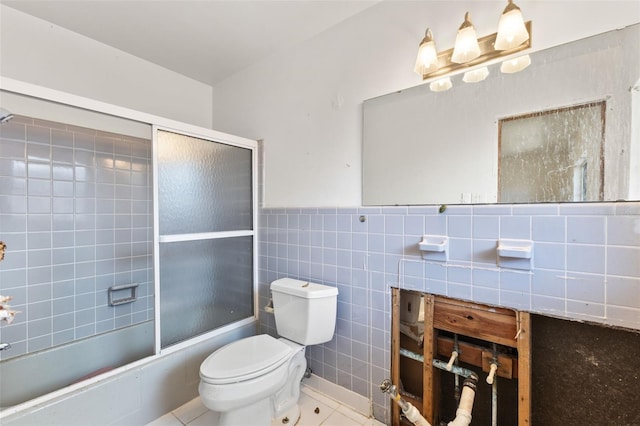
511 29
427 60
441 85
514 65
476 75
466 47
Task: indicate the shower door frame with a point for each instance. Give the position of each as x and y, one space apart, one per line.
18 87
211 136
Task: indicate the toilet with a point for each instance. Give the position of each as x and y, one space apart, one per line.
256 380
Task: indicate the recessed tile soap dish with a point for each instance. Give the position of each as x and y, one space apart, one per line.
516 254
521 249
434 247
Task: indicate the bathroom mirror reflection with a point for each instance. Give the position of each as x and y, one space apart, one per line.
552 156
423 147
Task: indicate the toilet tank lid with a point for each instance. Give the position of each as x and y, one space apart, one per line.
304 289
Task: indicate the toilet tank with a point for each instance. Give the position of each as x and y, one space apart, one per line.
305 312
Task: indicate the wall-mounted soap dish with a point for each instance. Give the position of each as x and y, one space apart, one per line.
521 249
517 254
434 247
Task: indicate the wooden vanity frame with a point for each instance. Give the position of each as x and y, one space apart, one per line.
493 324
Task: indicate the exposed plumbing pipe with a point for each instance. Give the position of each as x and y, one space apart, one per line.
494 403
456 386
437 363
409 411
492 372
464 372
463 413
454 356
491 379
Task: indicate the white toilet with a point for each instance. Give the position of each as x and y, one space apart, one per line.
255 380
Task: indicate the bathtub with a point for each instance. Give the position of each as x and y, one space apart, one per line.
36 374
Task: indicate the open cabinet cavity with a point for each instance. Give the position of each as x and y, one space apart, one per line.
437 341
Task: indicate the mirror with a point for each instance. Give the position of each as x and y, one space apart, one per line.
552 156
423 147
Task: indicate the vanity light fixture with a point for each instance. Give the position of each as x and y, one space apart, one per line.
427 60
470 51
476 75
511 29
514 65
466 47
441 85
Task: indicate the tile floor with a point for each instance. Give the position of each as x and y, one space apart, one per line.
330 413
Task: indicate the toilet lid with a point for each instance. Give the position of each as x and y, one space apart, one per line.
244 359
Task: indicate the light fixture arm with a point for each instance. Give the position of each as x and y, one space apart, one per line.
510 7
467 22
428 37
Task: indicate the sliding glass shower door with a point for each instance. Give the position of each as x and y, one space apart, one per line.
206 235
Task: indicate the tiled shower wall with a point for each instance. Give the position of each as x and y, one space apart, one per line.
76 215
586 265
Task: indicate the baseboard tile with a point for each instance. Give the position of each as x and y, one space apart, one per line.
344 396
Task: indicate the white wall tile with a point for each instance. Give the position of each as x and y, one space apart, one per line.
586 229
623 261
623 230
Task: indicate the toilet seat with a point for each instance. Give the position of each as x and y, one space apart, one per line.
244 359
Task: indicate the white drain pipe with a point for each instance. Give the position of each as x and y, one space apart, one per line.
463 413
409 411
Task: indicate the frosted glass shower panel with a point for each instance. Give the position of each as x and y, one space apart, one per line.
204 186
204 285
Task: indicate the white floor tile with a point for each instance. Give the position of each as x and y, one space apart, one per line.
338 419
189 411
373 422
312 411
207 419
320 397
316 409
353 415
166 420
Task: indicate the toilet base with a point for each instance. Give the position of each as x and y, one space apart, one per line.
289 418
257 414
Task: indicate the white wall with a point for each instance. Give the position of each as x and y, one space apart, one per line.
306 103
38 52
